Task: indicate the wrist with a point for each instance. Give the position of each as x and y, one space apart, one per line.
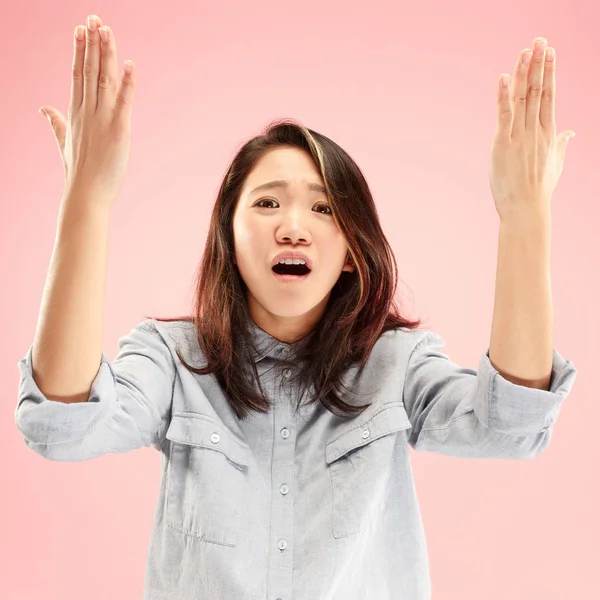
529 219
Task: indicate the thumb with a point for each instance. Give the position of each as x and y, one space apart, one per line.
567 136
58 124
563 140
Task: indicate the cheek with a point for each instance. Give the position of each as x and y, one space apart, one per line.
338 246
249 240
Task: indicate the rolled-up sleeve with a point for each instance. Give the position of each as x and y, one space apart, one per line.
128 405
459 411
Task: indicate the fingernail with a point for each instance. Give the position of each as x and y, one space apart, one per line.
91 23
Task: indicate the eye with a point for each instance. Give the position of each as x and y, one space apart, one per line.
326 206
264 200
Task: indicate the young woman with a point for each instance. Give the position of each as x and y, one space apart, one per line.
284 407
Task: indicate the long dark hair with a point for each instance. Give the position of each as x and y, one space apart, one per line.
360 308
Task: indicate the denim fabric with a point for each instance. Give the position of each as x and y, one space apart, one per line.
313 506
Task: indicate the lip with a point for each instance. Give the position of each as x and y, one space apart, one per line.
288 254
290 278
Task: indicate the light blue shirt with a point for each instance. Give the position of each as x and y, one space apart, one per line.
312 506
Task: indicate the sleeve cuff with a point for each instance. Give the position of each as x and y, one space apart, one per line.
520 410
44 421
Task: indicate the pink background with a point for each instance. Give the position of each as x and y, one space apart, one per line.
410 92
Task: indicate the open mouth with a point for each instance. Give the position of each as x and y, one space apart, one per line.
290 272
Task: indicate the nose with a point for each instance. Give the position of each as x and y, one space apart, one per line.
293 226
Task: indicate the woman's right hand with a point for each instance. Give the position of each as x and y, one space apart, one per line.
94 140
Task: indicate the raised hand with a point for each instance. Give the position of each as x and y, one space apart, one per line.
527 155
94 140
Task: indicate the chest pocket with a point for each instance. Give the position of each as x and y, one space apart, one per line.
359 462
207 479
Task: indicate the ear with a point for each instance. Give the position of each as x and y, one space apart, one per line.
349 266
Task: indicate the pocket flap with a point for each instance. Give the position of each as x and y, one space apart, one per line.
198 430
389 419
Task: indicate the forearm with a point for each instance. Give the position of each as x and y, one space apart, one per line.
67 347
521 345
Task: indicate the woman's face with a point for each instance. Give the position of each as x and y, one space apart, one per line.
294 218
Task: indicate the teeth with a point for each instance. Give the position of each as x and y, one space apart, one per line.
295 261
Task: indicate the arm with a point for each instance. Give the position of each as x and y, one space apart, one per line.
521 346
78 405
128 406
477 413
67 347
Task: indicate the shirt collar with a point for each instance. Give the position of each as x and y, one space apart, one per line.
265 344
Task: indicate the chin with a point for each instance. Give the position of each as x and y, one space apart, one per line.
286 304
289 308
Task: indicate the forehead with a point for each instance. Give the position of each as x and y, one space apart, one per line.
291 164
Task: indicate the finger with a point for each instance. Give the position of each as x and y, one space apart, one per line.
505 112
547 110
91 64
534 92
124 103
109 72
77 69
520 87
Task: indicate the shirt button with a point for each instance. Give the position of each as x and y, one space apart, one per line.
285 433
214 438
284 489
287 373
366 433
282 545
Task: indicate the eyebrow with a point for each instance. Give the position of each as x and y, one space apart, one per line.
277 183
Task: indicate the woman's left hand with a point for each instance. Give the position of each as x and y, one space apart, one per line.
527 155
